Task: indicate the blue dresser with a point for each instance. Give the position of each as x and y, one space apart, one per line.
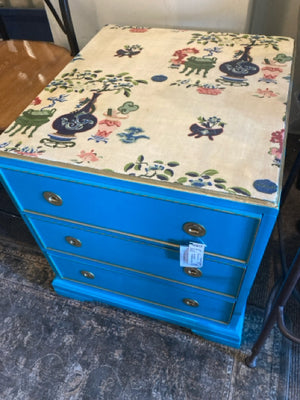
149 171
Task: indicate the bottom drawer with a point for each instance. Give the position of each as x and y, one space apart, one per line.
145 289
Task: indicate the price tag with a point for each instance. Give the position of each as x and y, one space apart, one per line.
192 255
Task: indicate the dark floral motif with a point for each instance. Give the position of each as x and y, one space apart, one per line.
165 172
129 51
213 126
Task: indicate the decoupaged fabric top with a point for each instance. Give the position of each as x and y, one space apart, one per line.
203 111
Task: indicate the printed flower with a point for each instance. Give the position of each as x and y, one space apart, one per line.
209 90
275 152
138 30
103 133
266 93
277 137
270 76
89 157
272 69
110 122
36 101
182 54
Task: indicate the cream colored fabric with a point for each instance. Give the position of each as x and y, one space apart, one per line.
157 89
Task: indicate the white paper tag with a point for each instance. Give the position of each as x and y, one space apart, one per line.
192 255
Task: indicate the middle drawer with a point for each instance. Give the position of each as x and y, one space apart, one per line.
142 256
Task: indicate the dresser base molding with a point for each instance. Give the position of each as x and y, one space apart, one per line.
226 334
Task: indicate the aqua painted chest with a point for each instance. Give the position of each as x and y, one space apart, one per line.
149 171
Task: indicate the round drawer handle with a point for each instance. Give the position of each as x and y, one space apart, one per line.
73 241
191 302
194 229
53 198
193 272
87 274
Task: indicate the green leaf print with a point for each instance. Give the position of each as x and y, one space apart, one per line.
241 190
128 166
192 174
210 172
168 172
173 164
162 177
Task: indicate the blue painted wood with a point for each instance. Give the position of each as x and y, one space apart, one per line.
219 332
131 253
145 289
227 234
143 188
123 209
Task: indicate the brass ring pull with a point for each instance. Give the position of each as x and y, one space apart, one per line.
87 274
193 272
53 198
73 241
194 229
191 302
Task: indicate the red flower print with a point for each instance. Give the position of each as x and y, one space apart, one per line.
208 90
181 54
270 76
89 157
110 122
266 93
138 30
277 137
36 101
272 69
103 133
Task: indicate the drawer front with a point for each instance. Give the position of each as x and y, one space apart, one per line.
146 289
141 256
224 233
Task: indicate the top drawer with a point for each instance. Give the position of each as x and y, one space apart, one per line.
226 234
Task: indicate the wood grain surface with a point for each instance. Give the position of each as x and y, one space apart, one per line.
26 67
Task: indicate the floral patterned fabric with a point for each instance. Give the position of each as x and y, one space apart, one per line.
203 111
